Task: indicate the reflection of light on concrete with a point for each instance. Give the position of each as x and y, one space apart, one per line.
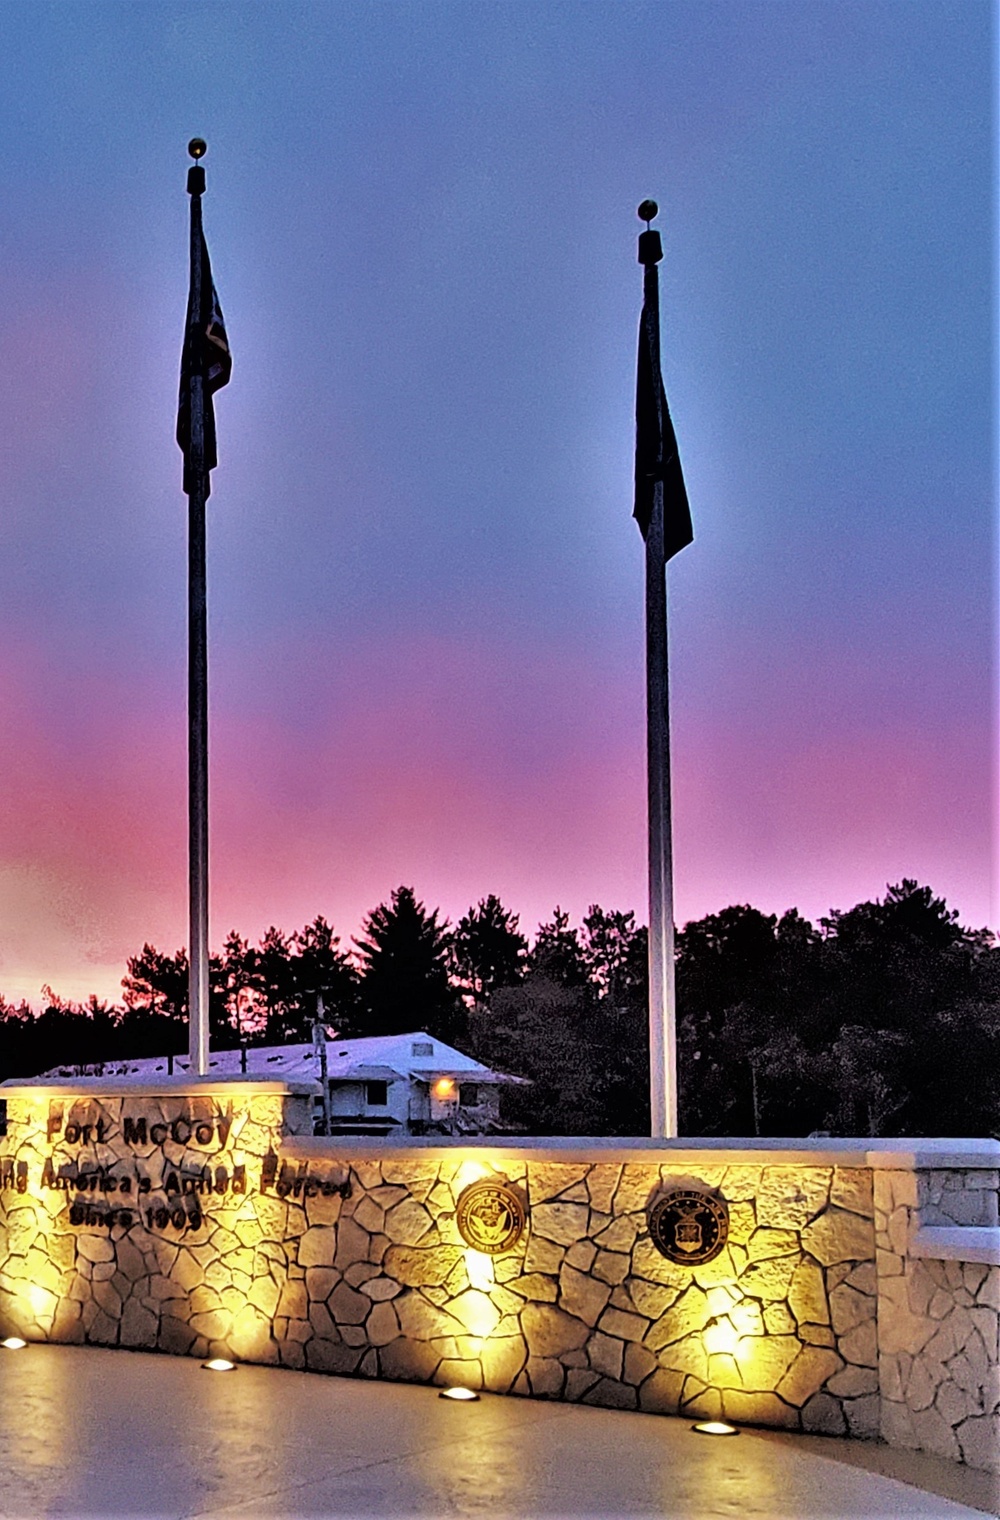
486 1471
38 1385
715 1428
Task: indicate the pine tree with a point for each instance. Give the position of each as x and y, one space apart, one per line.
487 949
404 976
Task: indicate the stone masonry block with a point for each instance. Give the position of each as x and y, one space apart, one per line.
808 1372
630 1327
851 1189
564 1223
822 1415
860 1345
550 1179
807 1296
582 1295
548 1331
407 1223
838 1235
606 1354
979 1441
788 1197
848 1308
602 1181
383 1325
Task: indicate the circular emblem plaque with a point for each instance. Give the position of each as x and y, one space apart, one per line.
490 1216
689 1226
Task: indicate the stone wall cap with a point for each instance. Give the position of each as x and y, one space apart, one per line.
707 1151
942 1155
682 1153
172 1087
936 1242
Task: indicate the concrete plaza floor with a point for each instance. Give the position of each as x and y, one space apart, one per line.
94 1433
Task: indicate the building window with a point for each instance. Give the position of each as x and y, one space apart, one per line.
422 1048
377 1094
468 1094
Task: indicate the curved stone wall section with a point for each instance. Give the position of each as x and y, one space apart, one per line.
778 1329
192 1224
208 1221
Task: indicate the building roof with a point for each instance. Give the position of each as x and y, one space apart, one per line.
374 1058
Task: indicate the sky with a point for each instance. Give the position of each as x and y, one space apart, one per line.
425 585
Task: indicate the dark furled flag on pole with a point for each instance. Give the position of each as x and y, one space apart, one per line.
206 352
656 456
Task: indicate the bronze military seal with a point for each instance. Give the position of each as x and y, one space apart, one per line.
689 1226
490 1216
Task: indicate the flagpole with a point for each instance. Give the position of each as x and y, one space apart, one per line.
662 1001
198 1029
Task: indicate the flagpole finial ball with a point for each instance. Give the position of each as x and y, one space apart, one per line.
198 147
647 210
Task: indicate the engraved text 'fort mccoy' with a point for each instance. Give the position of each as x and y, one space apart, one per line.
139 1130
181 1164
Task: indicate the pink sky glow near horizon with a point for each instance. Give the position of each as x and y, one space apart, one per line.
426 790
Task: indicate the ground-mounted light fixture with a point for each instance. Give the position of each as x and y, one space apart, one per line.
462 1395
715 1428
218 1364
13 1343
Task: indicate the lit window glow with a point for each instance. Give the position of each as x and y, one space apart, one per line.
444 1087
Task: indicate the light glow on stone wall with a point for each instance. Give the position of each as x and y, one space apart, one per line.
370 1266
470 1169
720 1337
365 1263
479 1267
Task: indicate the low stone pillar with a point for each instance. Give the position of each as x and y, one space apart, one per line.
938 1258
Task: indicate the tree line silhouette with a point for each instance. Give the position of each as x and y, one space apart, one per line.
883 1019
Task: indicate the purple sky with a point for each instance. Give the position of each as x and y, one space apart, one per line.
425 584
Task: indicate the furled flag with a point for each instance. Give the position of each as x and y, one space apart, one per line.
206 350
656 456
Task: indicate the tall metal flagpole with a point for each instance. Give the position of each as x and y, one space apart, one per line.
197 657
657 461
662 1000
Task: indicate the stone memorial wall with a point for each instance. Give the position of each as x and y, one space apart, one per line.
769 1285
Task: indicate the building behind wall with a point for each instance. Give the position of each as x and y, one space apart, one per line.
388 1085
